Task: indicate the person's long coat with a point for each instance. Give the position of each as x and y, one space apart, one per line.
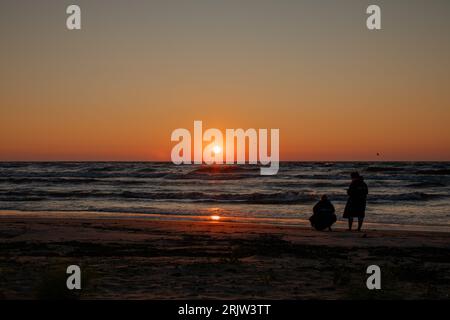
357 196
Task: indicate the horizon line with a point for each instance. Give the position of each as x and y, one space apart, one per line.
168 161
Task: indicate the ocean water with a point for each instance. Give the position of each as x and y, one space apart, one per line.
404 193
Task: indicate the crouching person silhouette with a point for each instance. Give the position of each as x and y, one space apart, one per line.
323 215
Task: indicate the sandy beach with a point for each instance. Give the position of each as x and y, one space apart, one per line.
148 259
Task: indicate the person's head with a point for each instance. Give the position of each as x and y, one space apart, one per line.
324 198
355 175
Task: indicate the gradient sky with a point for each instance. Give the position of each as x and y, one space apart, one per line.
139 69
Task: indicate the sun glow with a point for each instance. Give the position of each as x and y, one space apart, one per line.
217 149
215 218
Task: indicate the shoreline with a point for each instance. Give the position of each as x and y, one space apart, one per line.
283 222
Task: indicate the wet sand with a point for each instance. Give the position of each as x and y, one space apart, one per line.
149 259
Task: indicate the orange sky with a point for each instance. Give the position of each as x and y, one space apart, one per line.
116 89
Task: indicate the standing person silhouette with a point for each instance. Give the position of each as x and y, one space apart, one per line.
356 203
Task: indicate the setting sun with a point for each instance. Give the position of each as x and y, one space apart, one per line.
215 218
217 149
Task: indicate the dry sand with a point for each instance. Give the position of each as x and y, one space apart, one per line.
148 259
